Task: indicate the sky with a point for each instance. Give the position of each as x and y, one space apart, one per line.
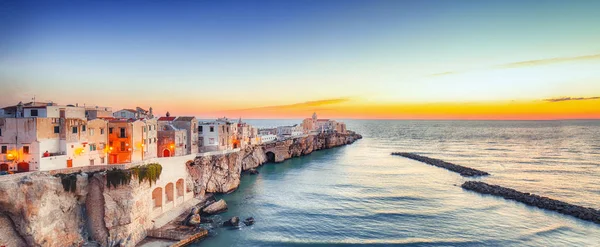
286 59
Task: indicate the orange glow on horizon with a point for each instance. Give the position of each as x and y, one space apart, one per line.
502 110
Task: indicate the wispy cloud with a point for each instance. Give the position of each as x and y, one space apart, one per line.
549 61
570 99
307 104
530 63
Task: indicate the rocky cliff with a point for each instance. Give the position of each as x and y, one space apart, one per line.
221 173
37 210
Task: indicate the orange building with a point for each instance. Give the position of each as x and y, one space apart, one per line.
131 140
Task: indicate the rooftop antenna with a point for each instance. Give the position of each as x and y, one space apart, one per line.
33 99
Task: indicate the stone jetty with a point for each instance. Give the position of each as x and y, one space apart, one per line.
463 171
580 212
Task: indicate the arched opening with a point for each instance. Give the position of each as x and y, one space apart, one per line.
3 167
157 197
169 192
23 167
166 153
270 157
179 187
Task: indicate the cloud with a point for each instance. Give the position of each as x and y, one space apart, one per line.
307 104
549 61
570 99
530 63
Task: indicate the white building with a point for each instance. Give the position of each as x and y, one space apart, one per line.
134 114
211 136
267 138
45 136
289 131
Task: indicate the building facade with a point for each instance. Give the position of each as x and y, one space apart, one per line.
190 125
46 136
132 140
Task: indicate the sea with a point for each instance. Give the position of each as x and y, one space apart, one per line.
360 195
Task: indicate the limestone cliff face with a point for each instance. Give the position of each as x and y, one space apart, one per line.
35 210
221 173
39 212
118 216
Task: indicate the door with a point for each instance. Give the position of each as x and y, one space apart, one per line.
69 163
23 167
4 167
166 153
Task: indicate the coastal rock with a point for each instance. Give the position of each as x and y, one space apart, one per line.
193 217
234 221
462 170
253 171
216 207
249 221
583 213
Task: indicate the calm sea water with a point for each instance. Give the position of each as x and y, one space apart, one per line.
361 195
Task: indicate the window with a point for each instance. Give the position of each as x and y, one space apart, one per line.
102 160
102 131
211 141
92 147
56 129
4 149
122 132
91 162
26 149
0 132
212 128
91 132
110 130
122 114
75 130
122 146
145 130
110 143
34 113
200 129
82 128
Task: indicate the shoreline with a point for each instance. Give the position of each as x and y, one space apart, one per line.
243 163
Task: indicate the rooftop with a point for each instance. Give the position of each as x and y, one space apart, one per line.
166 118
185 119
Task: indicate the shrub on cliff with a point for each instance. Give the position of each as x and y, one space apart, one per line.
150 172
69 181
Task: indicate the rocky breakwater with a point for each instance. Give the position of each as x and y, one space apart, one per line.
221 173
580 212
462 170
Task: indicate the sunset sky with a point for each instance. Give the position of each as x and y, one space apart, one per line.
285 59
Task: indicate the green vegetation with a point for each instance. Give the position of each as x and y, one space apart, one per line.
116 177
150 172
69 181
